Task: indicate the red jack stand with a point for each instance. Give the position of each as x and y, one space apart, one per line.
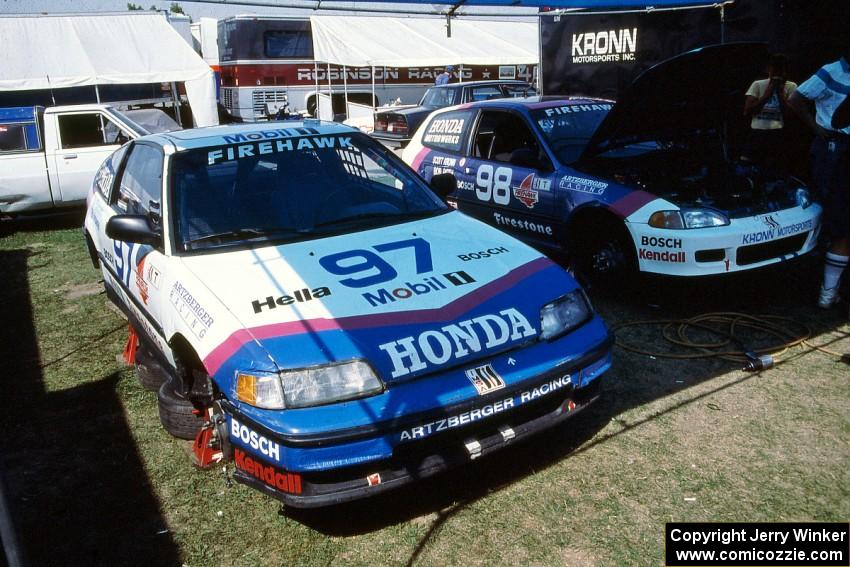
206 450
131 346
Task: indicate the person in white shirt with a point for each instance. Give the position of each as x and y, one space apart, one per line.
766 103
827 89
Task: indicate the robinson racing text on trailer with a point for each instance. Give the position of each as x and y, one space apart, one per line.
340 329
269 60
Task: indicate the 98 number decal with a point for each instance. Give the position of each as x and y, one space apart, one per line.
493 185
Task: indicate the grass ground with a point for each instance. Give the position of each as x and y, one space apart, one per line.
94 480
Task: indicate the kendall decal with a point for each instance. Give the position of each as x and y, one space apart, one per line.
677 257
272 476
456 341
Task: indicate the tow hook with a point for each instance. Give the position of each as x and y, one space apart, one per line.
207 449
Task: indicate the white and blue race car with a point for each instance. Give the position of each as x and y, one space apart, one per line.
650 182
318 314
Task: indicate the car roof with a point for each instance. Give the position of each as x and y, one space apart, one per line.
212 136
535 102
481 83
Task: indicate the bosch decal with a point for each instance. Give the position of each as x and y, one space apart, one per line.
298 296
241 433
456 341
583 185
660 242
471 416
195 316
482 254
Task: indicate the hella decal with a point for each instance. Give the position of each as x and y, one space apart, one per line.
456 341
298 296
270 475
471 416
383 296
250 438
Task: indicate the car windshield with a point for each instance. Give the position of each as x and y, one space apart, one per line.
568 128
286 189
440 97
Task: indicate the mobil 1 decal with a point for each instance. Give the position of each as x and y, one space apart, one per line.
369 271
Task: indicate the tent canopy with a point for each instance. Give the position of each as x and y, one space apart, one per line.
44 52
556 4
419 42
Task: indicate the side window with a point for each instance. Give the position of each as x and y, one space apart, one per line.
515 91
85 130
500 135
12 138
484 93
447 131
106 174
140 187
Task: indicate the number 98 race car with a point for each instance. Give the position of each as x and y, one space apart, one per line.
339 329
647 183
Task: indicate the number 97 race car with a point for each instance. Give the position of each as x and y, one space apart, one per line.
337 327
646 183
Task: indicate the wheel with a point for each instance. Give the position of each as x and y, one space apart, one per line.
176 413
149 374
604 255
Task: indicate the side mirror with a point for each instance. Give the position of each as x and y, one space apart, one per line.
526 157
133 228
444 184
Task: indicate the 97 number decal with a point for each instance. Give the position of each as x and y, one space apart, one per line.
493 185
373 269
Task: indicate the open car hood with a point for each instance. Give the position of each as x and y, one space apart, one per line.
687 94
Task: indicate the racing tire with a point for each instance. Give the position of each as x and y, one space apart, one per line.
151 376
176 413
603 257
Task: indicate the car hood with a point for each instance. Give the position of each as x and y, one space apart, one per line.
684 95
411 299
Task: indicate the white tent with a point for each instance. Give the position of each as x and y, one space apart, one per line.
419 42
42 52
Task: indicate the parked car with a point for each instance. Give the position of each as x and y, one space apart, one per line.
48 157
339 329
648 183
395 127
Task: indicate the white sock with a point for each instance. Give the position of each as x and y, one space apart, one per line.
835 264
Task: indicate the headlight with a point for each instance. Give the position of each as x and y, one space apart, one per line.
802 197
564 314
687 218
703 218
259 389
327 384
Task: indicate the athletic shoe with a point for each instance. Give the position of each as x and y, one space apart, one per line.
828 297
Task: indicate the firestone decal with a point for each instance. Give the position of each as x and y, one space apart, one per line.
486 411
523 224
456 341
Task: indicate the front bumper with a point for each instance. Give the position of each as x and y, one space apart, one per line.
744 244
436 441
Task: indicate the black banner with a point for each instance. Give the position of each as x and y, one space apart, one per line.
757 544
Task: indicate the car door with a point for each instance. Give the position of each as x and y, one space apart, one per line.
444 138
83 146
135 270
511 179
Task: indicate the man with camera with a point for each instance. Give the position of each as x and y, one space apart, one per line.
766 102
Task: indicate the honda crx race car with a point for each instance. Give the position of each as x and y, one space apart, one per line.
315 312
649 182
